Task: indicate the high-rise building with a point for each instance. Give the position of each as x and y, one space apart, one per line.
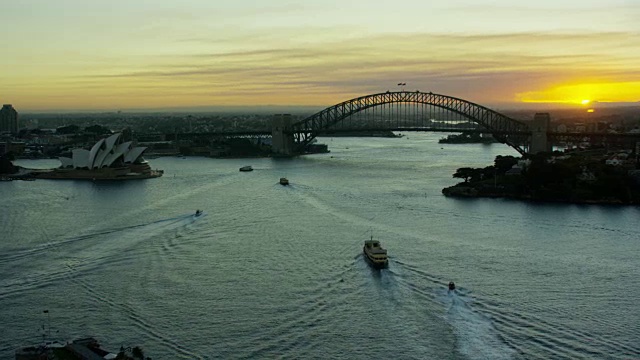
8 119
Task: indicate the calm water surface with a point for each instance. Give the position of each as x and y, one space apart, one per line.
277 272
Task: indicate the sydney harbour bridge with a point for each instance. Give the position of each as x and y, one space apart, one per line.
419 111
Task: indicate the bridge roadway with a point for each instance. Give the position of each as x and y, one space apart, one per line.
268 133
265 133
624 140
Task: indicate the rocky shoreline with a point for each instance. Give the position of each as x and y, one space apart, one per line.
471 192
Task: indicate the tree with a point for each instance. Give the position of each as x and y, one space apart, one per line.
69 129
6 166
98 130
137 353
464 173
504 163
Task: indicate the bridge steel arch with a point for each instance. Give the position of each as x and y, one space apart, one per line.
505 129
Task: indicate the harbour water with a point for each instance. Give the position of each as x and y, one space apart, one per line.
273 271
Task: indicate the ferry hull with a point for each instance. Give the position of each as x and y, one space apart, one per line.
376 264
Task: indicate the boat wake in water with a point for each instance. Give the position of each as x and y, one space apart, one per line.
475 333
82 253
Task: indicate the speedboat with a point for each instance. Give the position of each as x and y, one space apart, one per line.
376 255
284 181
246 168
452 286
198 212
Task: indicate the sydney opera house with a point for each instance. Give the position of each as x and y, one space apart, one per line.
109 159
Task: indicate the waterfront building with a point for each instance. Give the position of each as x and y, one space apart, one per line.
107 152
15 147
8 119
110 158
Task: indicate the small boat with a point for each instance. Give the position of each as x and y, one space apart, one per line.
246 168
284 181
198 212
452 286
374 252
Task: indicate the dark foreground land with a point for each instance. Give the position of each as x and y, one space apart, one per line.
592 177
80 349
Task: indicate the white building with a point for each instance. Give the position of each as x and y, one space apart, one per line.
108 152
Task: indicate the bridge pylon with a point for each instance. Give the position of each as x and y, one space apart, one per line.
539 128
282 136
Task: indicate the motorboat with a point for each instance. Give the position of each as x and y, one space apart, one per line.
284 181
452 286
198 212
246 168
374 252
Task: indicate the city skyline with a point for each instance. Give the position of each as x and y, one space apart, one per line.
121 55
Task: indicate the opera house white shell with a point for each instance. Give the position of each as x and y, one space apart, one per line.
109 152
109 159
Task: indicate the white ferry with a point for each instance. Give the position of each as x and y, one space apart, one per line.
376 255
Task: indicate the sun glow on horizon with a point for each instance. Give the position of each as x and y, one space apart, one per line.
584 93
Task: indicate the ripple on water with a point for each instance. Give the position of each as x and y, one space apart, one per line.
277 272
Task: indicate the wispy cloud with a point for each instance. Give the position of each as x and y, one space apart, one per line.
485 68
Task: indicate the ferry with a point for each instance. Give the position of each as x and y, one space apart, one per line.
284 181
376 255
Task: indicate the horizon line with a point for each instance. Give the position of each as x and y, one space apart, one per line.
217 108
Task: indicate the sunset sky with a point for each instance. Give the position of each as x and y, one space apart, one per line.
125 54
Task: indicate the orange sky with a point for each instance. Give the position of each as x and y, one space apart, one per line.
118 55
